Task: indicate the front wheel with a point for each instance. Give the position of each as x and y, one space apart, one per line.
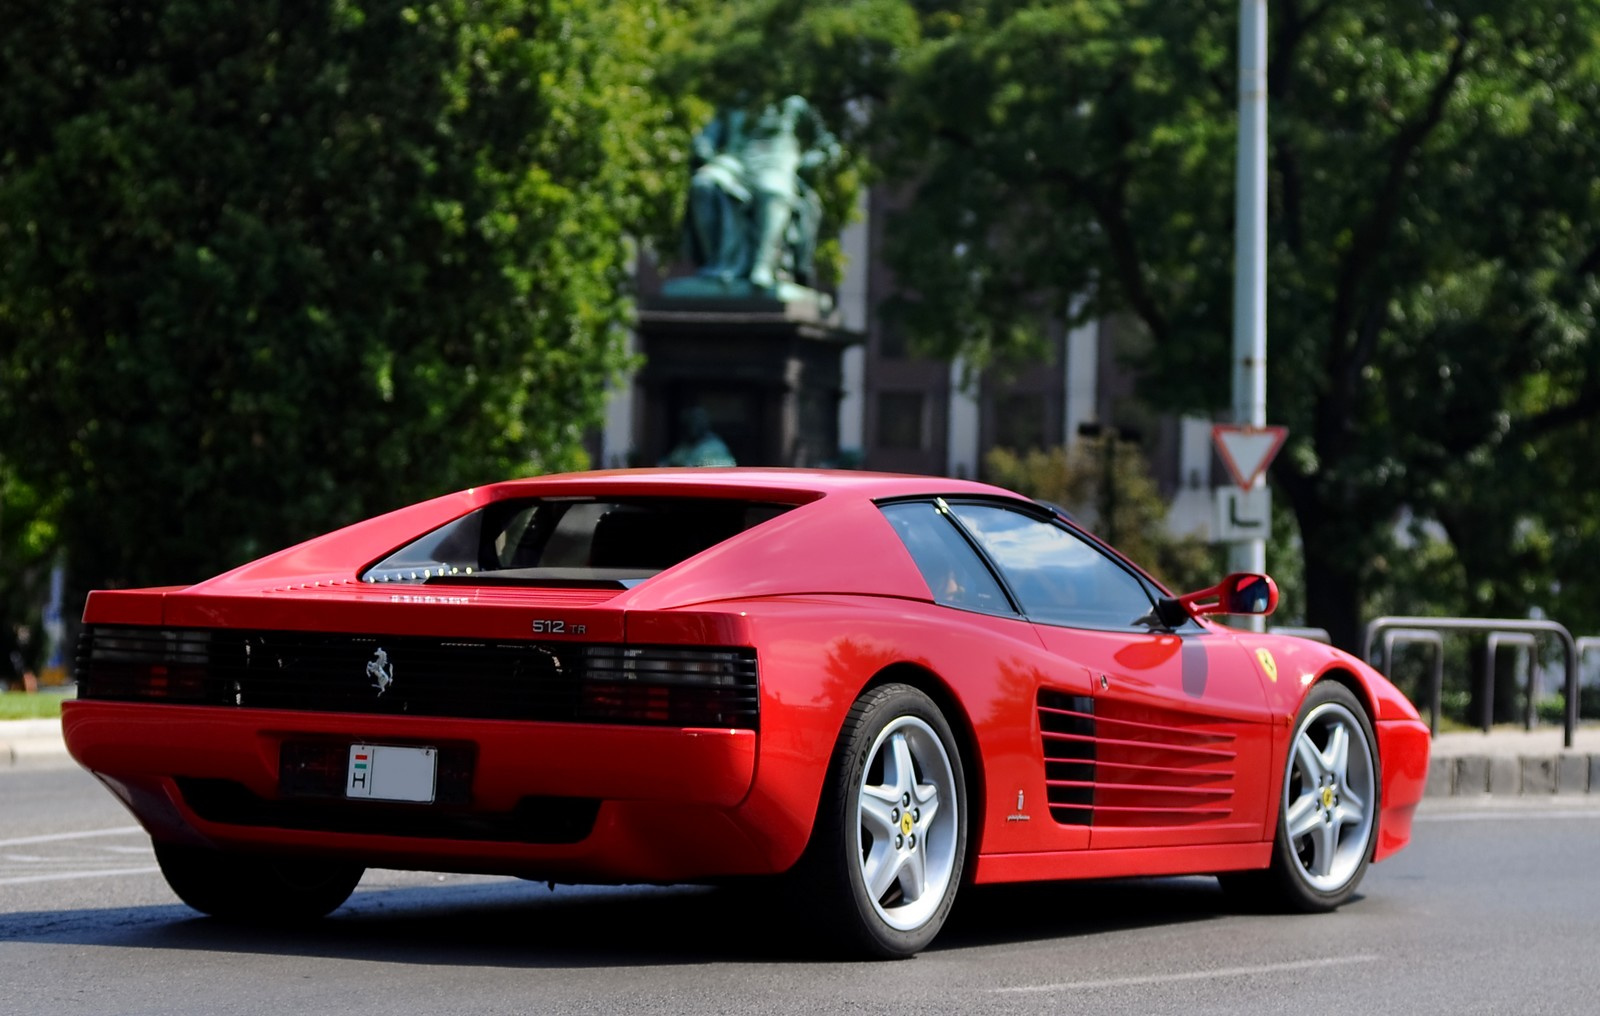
1328 813
243 887
891 839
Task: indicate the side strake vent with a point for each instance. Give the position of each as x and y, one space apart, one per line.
421 676
1155 769
1066 723
1132 767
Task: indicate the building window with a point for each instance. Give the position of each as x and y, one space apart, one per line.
892 343
901 423
1019 422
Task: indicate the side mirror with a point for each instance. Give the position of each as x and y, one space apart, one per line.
1239 593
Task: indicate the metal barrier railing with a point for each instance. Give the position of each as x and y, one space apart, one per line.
1395 637
1585 645
1514 640
1506 628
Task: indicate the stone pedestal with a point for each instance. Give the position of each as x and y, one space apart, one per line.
766 371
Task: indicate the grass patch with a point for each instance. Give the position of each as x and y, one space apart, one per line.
21 705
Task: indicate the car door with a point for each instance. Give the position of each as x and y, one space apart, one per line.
1172 746
998 680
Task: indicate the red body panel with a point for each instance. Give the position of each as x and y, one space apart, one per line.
1191 729
1403 739
662 788
1184 737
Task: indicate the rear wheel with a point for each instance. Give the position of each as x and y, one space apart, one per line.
891 839
1328 813
245 887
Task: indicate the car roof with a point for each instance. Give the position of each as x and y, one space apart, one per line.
762 482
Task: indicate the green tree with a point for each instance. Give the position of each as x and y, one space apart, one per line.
1434 231
270 267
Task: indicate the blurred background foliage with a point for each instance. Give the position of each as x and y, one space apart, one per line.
267 268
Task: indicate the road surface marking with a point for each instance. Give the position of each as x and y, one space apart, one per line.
1193 975
55 837
71 875
1520 815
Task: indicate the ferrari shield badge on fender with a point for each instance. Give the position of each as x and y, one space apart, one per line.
1268 664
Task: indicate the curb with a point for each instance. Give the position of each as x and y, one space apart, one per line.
1510 761
1520 775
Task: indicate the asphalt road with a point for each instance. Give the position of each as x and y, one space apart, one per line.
1494 909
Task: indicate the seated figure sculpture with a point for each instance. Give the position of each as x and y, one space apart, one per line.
700 445
752 216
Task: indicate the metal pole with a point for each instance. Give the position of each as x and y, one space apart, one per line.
1521 640
1250 252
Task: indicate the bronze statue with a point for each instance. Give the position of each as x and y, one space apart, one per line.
700 445
752 215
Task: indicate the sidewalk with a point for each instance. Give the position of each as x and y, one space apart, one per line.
32 744
1509 761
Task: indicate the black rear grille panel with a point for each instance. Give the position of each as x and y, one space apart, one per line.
443 677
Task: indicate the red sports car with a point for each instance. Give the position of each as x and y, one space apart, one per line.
878 688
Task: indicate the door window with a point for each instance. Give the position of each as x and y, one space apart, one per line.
1057 576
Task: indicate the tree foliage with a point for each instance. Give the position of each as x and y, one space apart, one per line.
1434 232
269 267
1105 483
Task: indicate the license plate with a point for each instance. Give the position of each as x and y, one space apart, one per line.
386 772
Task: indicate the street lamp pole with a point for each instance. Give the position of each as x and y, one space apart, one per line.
1250 249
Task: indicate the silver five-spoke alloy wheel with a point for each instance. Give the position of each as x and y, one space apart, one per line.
1329 797
907 821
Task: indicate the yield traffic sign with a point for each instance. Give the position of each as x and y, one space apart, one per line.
1247 450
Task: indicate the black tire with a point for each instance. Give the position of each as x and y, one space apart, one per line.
248 888
913 847
1327 813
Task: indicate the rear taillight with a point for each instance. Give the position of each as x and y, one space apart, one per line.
669 685
143 665
706 668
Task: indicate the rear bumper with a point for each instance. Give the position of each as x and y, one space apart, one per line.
656 804
1403 745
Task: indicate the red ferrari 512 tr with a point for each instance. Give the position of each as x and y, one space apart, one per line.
876 687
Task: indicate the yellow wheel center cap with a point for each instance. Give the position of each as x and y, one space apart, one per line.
1327 797
905 822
